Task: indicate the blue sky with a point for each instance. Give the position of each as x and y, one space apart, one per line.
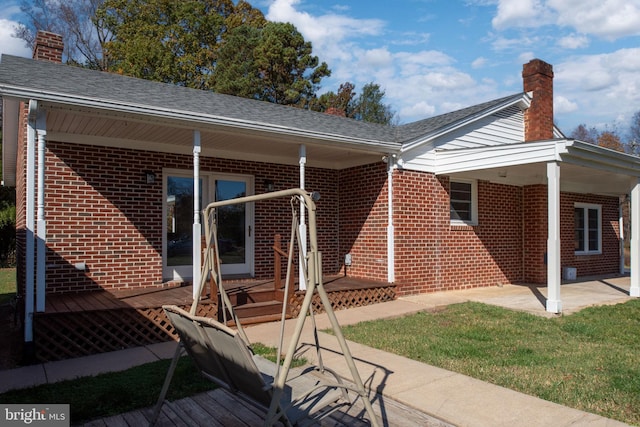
434 56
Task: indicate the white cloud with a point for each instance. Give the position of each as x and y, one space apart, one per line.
525 57
574 41
9 44
419 109
601 84
520 13
610 19
563 105
479 62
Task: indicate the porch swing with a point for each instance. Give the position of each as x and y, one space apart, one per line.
292 396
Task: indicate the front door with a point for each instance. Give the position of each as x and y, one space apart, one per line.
235 222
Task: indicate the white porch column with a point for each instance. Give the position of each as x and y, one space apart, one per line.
391 248
554 304
634 290
41 127
303 226
197 227
30 225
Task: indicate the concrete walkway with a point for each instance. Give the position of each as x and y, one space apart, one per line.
452 397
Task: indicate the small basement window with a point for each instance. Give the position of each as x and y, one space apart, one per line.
463 196
588 229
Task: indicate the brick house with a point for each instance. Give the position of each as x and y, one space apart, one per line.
491 194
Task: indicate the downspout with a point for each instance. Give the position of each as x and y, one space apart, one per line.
41 127
197 228
303 227
30 225
391 248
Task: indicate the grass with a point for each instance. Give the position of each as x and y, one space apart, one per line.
118 392
587 360
7 284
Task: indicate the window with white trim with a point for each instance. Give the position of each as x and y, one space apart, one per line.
588 229
463 196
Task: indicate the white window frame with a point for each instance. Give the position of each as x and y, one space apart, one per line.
474 202
585 207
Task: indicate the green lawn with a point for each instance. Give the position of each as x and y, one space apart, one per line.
7 284
588 360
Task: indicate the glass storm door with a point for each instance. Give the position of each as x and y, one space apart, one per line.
234 227
234 224
179 226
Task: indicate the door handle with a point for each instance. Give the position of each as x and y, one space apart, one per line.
249 231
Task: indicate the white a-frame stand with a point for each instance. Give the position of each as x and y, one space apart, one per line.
311 267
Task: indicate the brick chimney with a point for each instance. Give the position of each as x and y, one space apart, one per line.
48 47
537 78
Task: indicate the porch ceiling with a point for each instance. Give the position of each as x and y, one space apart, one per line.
114 129
573 178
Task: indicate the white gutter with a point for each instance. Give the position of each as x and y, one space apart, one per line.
302 227
41 126
197 227
30 226
391 248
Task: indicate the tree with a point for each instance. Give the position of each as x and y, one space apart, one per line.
271 63
634 134
369 106
609 139
339 104
582 133
289 73
165 40
83 35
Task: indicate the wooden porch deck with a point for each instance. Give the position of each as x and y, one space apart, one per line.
79 324
220 408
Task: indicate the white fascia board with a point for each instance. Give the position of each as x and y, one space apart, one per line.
592 156
408 146
196 118
464 160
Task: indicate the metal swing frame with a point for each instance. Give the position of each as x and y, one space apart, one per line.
312 275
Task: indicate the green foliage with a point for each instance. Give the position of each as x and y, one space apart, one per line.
169 41
585 360
271 63
368 106
7 222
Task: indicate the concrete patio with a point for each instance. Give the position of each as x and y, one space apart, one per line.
575 295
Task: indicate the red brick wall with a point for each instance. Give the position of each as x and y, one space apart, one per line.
537 77
535 233
101 211
363 220
535 201
587 265
432 255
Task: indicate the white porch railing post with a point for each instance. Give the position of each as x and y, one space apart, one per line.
634 290
391 249
197 226
554 303
303 226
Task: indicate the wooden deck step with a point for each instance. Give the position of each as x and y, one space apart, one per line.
258 309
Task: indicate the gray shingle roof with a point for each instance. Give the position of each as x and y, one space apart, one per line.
53 78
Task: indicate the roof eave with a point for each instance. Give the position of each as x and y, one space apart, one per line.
196 118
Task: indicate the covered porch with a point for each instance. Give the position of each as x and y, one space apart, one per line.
559 177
